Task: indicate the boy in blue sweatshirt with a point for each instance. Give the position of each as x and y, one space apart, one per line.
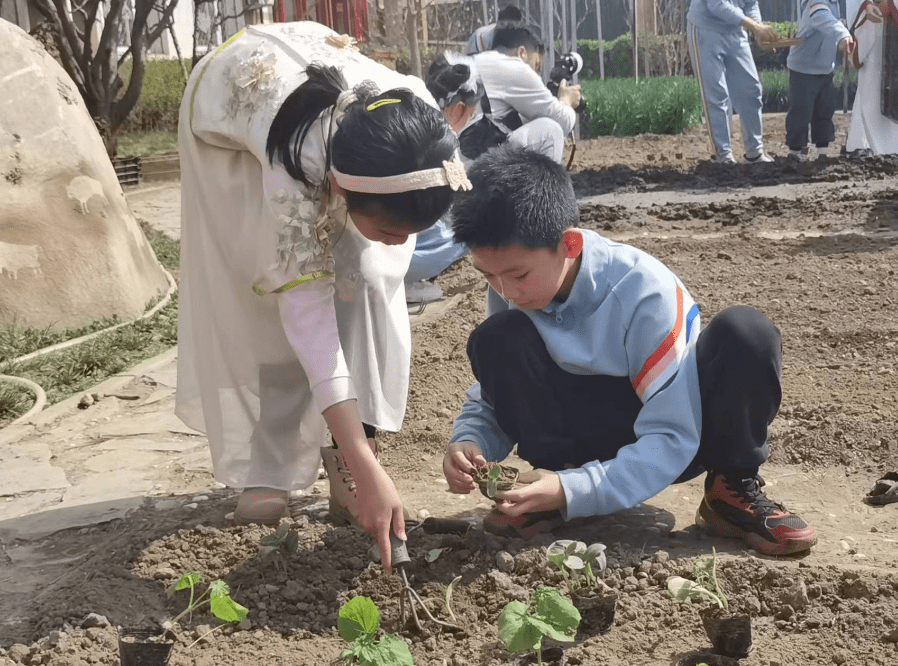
592 362
811 65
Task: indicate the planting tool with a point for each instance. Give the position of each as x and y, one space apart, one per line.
407 595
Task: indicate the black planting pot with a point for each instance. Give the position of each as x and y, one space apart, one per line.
143 647
596 614
696 658
730 635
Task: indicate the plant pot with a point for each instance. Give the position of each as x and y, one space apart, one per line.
596 614
696 658
143 647
730 634
506 479
552 656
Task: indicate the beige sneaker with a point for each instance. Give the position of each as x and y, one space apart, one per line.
262 506
343 505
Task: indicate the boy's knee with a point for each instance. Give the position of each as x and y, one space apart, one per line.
748 330
500 334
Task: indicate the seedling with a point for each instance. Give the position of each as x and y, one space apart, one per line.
283 543
705 585
494 477
217 595
358 624
522 627
574 557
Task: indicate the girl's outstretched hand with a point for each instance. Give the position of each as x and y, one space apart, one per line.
379 506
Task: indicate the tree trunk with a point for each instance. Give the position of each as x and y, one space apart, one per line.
393 24
414 49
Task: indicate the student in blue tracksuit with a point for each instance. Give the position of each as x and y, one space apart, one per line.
811 65
591 361
726 72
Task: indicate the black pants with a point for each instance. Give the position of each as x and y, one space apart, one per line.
813 103
559 419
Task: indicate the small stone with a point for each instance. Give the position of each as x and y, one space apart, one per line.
162 573
200 498
246 625
57 637
95 620
18 652
191 505
86 401
203 633
505 561
423 513
662 556
795 596
840 657
229 515
218 485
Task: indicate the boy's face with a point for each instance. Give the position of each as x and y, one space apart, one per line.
531 279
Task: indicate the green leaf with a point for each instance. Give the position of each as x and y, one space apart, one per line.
225 608
392 651
682 589
218 588
546 629
494 473
432 555
574 563
555 609
188 580
516 633
358 616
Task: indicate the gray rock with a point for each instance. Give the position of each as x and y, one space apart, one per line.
58 638
292 591
163 573
94 620
203 633
504 583
795 596
18 652
505 561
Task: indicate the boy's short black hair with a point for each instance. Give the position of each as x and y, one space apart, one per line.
510 35
520 197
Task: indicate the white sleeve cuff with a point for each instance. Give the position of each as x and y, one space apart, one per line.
331 391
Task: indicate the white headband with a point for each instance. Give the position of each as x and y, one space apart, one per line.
452 173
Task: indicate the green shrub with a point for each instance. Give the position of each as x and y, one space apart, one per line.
160 95
658 105
666 55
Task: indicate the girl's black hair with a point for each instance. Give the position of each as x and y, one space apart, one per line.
453 78
388 140
297 113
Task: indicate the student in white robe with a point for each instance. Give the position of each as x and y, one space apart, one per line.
302 188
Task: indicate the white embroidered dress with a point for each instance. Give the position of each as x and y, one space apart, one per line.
256 371
869 128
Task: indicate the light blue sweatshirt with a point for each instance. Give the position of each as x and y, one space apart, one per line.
820 28
627 315
722 15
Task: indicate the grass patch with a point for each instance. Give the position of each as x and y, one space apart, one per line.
657 105
147 144
72 370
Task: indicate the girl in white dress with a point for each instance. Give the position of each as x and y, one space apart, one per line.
870 129
302 187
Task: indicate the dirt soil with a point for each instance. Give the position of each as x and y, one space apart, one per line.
813 246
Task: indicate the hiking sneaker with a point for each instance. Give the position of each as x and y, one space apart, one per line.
757 159
735 506
725 159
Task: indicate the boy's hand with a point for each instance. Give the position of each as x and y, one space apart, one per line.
460 460
846 45
544 494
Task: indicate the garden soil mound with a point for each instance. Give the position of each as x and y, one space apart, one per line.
822 265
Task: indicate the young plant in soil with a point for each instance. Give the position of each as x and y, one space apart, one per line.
358 624
577 562
522 627
705 585
217 596
494 477
282 543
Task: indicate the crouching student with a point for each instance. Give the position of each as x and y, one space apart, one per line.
592 361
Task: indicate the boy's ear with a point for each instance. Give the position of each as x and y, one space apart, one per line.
573 243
